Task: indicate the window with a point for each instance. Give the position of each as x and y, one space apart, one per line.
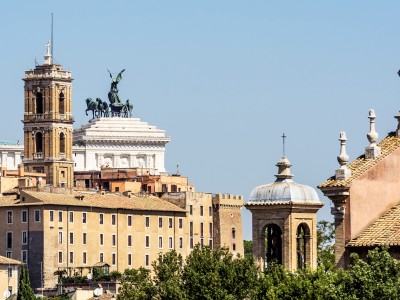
147 222
113 219
129 220
8 254
84 218
9 271
191 242
39 144
170 223
233 233
62 146
180 242
24 216
170 242
60 218
101 219
191 228
202 242
211 230
60 237
24 237
233 247
39 103
147 241
60 257
201 210
61 98
71 257
84 258
113 259
191 209
37 215
24 256
9 217
101 239
164 188
114 240
210 243
180 223
210 211
147 259
201 229
71 217
160 242
101 259
173 188
51 216
159 222
129 259
9 240
129 240
84 241
71 238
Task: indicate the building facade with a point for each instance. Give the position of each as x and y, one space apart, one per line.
9 275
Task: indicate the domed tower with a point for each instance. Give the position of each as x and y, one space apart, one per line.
284 221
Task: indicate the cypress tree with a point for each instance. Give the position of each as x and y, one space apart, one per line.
24 286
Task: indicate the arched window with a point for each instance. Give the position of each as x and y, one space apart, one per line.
61 103
39 142
39 103
303 246
273 244
62 142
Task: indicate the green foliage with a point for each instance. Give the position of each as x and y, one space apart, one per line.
24 286
248 249
325 244
115 275
137 285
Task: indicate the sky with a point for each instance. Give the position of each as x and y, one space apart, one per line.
225 79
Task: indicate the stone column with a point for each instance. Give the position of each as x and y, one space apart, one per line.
338 212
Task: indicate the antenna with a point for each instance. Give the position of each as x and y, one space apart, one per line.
283 143
52 40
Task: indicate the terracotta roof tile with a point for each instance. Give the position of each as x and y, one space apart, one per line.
360 164
383 232
8 261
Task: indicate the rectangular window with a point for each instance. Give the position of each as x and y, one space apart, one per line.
201 210
71 217
24 216
37 215
9 217
84 258
60 257
129 241
9 240
51 215
170 223
8 254
210 243
180 242
191 209
84 218
60 237
113 219
9 271
147 241
101 219
174 188
210 211
71 257
101 257
201 242
101 239
211 230
24 256
201 229
24 237
147 259
159 222
114 240
129 259
60 214
170 242
180 223
233 233
191 228
160 242
164 188
129 220
191 242
84 241
113 259
233 247
71 238
147 222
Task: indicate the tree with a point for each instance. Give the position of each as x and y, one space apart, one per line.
136 285
248 249
24 286
325 242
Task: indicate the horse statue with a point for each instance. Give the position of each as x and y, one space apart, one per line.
91 105
106 109
128 108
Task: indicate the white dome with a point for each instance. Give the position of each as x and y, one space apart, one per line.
284 189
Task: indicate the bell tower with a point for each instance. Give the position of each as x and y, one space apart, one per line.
48 122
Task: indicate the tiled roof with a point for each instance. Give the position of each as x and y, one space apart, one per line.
8 261
111 201
360 164
383 232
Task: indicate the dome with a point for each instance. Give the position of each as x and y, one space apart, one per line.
284 189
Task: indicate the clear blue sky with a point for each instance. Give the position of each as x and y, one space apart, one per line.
223 78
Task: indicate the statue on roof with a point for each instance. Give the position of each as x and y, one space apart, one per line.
113 93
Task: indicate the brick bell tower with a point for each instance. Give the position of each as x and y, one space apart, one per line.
48 122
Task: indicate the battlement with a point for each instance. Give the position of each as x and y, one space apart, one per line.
228 199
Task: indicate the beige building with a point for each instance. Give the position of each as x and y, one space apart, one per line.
9 274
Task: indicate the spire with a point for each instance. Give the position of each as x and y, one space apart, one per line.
343 172
283 169
398 123
372 151
48 59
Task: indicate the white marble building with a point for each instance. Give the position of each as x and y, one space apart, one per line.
113 142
